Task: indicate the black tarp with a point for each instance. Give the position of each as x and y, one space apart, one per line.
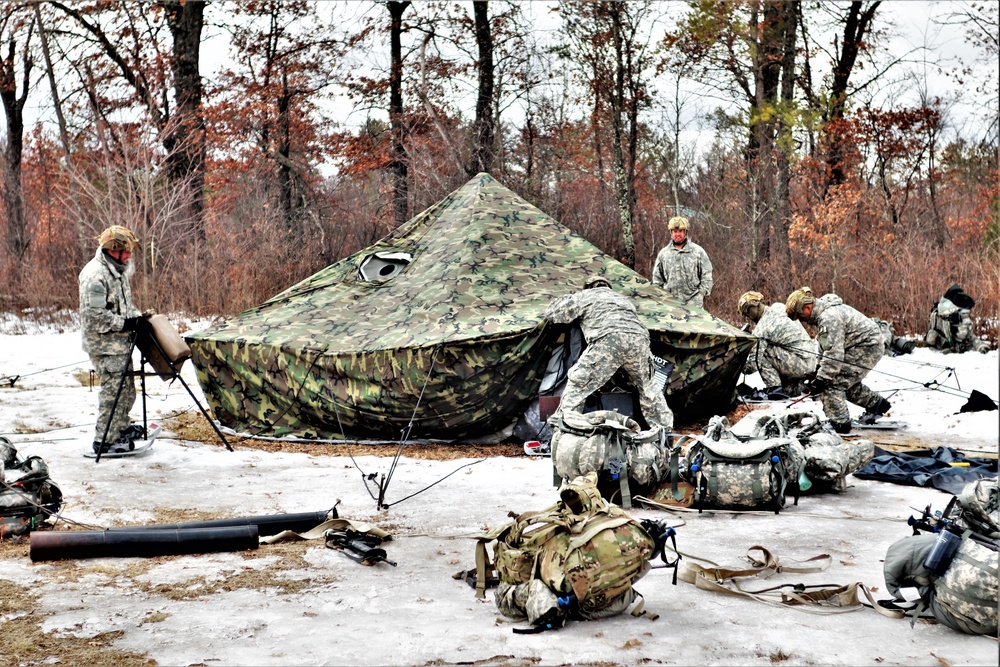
928 467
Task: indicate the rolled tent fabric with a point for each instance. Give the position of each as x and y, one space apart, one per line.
68 545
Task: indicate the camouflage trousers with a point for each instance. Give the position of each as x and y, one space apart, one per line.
848 385
783 367
109 368
600 361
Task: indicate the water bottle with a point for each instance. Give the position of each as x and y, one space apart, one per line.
942 553
804 482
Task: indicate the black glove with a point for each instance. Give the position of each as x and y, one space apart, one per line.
140 324
818 386
776 393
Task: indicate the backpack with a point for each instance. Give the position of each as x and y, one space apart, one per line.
955 568
27 496
728 472
576 559
829 459
980 501
611 445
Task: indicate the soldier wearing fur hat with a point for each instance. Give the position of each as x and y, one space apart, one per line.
615 339
951 323
784 354
682 267
108 322
850 345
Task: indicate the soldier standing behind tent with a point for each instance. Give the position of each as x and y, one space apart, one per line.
682 267
784 354
615 339
108 321
850 345
951 323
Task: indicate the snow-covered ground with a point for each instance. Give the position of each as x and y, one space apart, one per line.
343 613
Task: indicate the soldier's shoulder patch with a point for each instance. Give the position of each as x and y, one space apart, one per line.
98 295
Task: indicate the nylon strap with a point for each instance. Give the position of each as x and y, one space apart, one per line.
814 598
320 530
623 473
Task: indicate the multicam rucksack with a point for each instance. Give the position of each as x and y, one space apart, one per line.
576 559
27 496
955 568
611 445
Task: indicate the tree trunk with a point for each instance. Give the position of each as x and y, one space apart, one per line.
185 137
617 137
13 106
398 161
782 219
770 135
54 89
856 28
483 129
285 194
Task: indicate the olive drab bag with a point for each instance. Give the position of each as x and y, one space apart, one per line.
27 496
727 472
577 559
610 444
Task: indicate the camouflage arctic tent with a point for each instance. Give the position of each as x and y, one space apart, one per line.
439 323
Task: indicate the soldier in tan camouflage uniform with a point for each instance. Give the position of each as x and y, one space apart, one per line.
682 267
108 321
615 339
850 345
784 354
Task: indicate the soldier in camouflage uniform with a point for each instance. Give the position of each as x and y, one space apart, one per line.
682 267
951 323
850 345
615 339
108 321
784 354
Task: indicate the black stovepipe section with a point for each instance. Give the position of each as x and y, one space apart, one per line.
145 543
266 525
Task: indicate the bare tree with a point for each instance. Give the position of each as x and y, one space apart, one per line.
610 42
484 127
398 165
15 24
748 49
130 38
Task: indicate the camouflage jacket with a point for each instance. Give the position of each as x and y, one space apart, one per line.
840 327
601 311
953 326
686 273
782 347
105 302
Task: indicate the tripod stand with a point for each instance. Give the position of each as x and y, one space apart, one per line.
169 370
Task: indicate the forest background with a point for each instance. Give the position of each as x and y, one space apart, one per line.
249 144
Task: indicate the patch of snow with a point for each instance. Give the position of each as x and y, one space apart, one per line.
417 613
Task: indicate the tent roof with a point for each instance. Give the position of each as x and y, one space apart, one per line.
485 263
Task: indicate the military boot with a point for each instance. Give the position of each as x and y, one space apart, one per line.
841 427
132 432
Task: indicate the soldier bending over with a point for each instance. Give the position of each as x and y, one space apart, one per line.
615 339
